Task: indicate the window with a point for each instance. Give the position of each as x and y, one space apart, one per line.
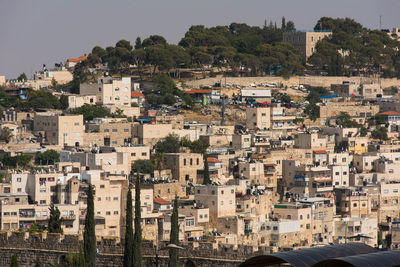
190 222
19 190
99 199
42 202
144 154
19 180
102 186
116 212
115 198
354 205
395 190
184 162
99 89
108 212
106 130
117 89
76 123
222 192
126 130
114 130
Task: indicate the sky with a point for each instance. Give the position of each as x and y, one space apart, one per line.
33 33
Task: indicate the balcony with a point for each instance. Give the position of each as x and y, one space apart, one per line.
69 217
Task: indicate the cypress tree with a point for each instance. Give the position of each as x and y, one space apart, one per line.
14 261
206 172
54 225
128 252
174 236
38 264
89 236
137 247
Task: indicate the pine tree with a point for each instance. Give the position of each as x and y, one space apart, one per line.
138 43
137 247
128 252
54 225
206 172
174 236
89 236
14 261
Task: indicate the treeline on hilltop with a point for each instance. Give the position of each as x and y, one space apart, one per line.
240 49
365 51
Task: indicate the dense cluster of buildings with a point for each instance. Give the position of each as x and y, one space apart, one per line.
278 180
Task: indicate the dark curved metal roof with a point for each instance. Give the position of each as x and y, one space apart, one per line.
309 256
378 259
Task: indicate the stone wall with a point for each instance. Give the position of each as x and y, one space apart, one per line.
324 81
52 249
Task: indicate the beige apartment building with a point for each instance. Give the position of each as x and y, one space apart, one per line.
346 229
109 91
76 101
113 131
258 118
305 41
109 201
184 166
220 200
353 203
370 90
59 129
150 134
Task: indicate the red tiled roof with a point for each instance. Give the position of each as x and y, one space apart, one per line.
198 91
248 219
137 94
78 59
161 201
213 160
389 113
320 151
270 164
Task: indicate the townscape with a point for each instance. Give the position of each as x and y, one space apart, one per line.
266 137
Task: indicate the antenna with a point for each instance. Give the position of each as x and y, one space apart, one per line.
380 22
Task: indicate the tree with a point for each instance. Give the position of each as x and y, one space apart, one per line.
6 134
363 131
49 157
22 77
380 133
89 235
14 261
90 112
129 242
54 225
138 43
143 166
174 236
41 99
312 110
169 144
17 161
64 102
344 119
75 259
137 239
38 263
206 173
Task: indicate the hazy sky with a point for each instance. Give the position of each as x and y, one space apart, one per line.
34 32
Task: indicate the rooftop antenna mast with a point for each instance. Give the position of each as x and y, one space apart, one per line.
380 22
